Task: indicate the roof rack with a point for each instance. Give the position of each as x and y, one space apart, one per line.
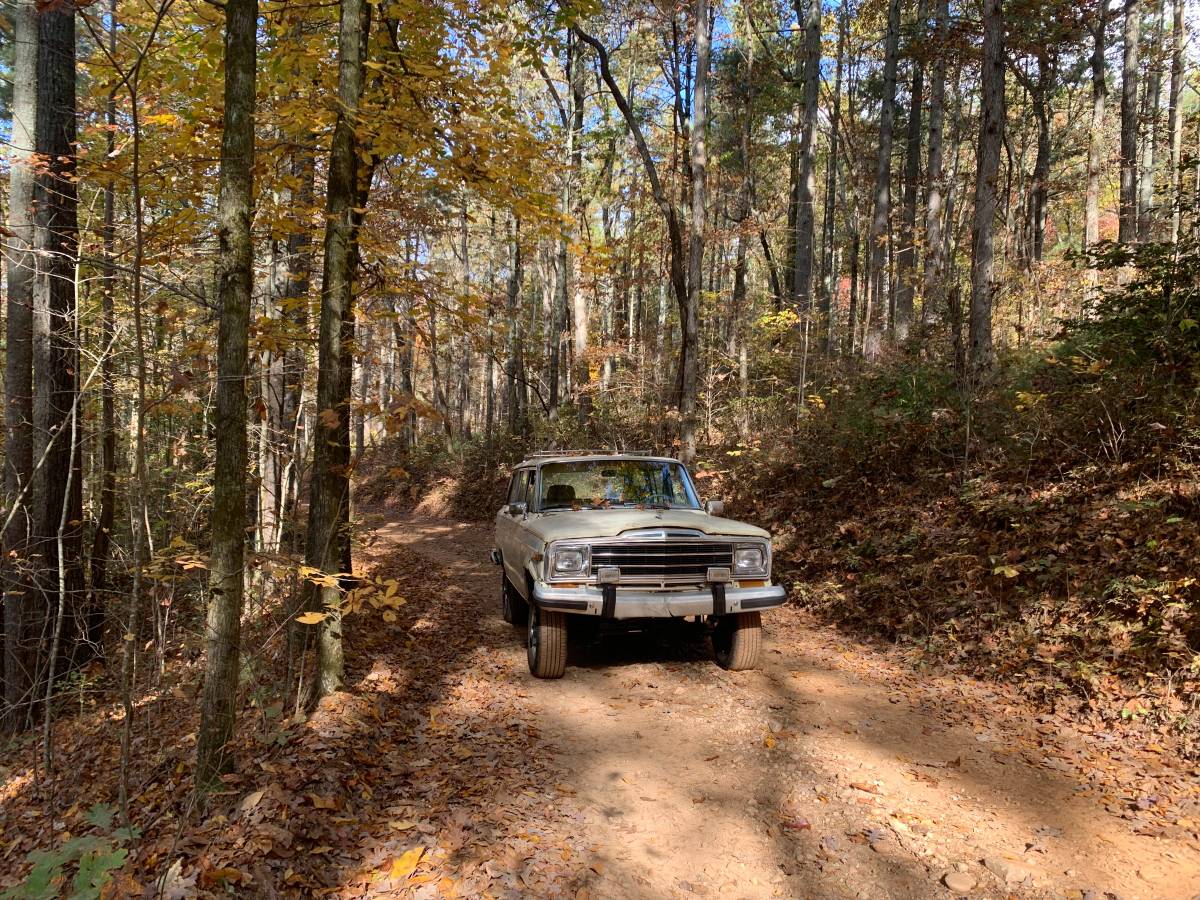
543 454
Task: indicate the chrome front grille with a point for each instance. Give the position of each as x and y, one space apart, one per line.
666 562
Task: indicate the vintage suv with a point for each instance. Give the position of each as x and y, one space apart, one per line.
623 536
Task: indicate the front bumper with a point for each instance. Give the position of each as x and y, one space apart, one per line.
634 603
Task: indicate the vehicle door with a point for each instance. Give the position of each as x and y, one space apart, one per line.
507 527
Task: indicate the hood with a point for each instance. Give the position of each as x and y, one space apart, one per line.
602 523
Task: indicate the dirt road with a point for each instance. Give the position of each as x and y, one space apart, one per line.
832 771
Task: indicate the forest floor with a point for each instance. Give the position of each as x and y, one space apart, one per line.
832 771
445 770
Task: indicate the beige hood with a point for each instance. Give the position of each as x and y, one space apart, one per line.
601 523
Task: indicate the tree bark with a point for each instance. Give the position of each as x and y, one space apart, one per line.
678 276
1128 217
57 483
935 261
828 295
876 311
329 504
1150 102
991 137
690 315
102 538
802 267
906 258
512 315
1040 188
1095 161
235 278
18 371
1175 116
573 212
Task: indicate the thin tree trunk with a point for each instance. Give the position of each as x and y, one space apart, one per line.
1175 116
513 315
572 212
296 303
810 20
906 258
18 371
1039 190
991 138
1091 227
876 310
678 276
1129 123
329 504
1150 118
935 261
235 279
828 297
690 316
102 538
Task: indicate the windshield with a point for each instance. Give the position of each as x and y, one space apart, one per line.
604 484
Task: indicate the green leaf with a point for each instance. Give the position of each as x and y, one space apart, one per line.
95 871
101 815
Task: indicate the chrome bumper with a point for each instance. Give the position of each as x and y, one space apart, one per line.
632 603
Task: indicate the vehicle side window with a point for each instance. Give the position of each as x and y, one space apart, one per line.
516 487
530 490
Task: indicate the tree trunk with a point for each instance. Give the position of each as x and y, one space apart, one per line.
1129 123
802 268
572 212
1039 190
935 261
906 258
58 483
1175 116
329 504
991 137
102 538
18 372
1095 161
678 276
235 281
828 296
690 315
876 310
1150 118
512 311
296 312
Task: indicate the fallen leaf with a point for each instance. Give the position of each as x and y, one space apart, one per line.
405 864
251 801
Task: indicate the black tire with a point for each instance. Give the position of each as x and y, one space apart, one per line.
513 607
547 643
737 640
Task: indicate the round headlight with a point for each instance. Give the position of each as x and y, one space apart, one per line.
748 559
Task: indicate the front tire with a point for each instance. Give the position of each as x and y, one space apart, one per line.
513 607
547 643
737 641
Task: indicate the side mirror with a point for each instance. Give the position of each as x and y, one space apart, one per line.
714 507
517 509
